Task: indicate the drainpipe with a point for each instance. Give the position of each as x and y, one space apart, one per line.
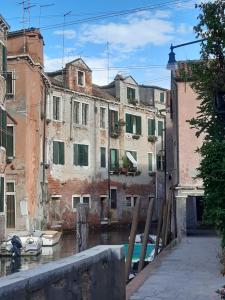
109 200
71 112
43 198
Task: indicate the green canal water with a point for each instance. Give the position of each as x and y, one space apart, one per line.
66 247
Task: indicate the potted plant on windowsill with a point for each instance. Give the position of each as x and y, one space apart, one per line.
121 122
133 101
152 138
135 136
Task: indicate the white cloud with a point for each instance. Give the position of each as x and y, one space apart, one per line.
137 31
68 34
185 28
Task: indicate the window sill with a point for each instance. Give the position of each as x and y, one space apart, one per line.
80 126
57 121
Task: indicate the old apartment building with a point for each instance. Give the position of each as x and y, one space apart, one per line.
188 190
76 142
4 27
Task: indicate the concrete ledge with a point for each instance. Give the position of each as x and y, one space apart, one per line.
97 273
135 284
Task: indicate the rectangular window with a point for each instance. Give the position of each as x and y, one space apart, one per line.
128 201
162 97
103 157
160 162
81 200
58 153
80 78
2 193
150 162
113 117
3 127
56 108
10 141
10 85
80 113
80 157
113 197
130 94
3 60
160 128
151 126
76 112
114 159
133 124
131 201
130 162
102 117
84 113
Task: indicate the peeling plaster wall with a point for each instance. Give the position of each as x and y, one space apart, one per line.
67 180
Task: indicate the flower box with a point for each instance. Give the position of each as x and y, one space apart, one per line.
135 136
152 138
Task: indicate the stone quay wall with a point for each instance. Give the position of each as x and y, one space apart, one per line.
95 274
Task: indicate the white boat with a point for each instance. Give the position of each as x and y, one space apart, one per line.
31 246
50 237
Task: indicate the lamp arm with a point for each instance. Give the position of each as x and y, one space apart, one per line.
185 44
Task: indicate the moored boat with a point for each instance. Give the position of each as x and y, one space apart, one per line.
50 237
31 246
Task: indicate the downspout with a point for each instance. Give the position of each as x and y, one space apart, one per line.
43 200
109 200
71 112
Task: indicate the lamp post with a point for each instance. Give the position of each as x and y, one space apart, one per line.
172 63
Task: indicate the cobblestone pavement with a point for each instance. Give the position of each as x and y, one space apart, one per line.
191 271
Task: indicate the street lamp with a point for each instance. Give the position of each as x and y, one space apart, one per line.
172 63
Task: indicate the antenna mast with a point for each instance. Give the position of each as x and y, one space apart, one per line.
63 46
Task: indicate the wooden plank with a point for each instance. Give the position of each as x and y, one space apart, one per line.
82 227
159 226
146 234
132 238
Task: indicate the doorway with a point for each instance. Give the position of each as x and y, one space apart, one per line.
10 205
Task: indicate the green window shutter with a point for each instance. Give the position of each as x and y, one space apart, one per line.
129 126
80 155
151 127
4 61
114 159
103 157
150 162
55 153
138 125
9 142
158 162
75 154
61 153
160 128
85 155
2 192
116 120
4 128
162 97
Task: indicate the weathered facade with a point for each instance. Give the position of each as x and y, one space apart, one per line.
187 189
76 142
4 27
25 100
90 130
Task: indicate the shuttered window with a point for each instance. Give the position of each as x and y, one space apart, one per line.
10 142
160 161
3 128
160 128
114 159
102 117
103 157
133 124
130 94
84 113
150 162
2 192
56 108
162 97
151 127
113 118
113 198
80 155
58 153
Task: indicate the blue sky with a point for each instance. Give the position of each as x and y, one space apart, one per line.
138 41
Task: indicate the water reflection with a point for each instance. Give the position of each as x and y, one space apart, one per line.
66 247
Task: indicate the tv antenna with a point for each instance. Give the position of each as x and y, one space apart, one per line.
63 46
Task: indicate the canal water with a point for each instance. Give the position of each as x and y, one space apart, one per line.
66 247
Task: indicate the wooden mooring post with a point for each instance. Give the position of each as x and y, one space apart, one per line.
146 234
82 227
132 238
159 226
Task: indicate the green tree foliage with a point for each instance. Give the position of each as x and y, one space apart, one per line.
208 77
